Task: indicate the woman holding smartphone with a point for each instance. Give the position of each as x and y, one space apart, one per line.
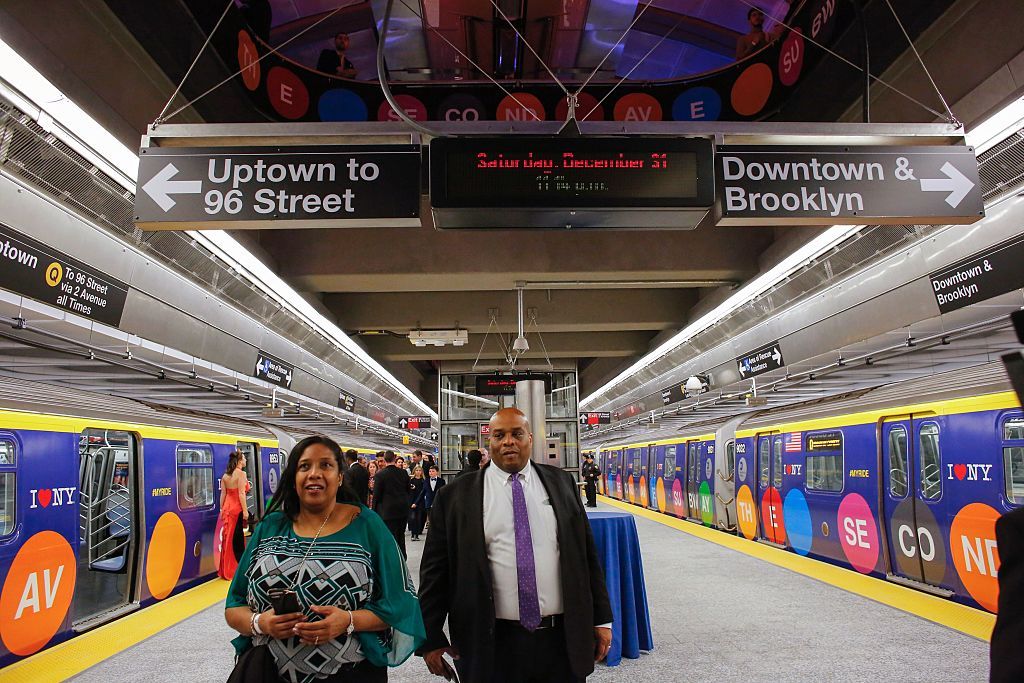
321 593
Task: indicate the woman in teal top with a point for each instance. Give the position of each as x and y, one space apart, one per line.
358 610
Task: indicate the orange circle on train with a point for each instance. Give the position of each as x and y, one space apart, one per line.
751 90
643 491
637 106
37 592
662 500
746 513
632 491
166 555
771 513
972 542
248 61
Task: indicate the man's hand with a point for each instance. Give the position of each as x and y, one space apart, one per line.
603 636
437 665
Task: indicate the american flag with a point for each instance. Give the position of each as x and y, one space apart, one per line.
792 442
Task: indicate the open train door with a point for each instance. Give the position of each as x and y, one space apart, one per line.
911 501
254 498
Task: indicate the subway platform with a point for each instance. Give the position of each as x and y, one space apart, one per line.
718 614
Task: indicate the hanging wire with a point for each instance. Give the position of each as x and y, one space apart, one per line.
273 50
952 119
530 47
612 49
536 327
160 118
474 64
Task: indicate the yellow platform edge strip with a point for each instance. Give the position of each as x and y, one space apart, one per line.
74 656
973 622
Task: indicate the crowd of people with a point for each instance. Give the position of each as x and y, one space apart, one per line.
322 591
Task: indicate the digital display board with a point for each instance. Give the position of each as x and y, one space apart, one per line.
505 385
546 172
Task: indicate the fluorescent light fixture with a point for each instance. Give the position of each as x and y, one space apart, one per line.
87 137
799 258
471 397
996 128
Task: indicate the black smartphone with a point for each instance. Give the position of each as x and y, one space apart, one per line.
284 601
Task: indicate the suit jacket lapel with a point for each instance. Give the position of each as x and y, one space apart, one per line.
554 495
475 526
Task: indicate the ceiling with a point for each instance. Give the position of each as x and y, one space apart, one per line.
595 300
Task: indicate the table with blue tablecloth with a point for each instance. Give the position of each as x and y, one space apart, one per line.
618 548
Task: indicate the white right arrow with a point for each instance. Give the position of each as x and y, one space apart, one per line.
776 356
955 183
160 187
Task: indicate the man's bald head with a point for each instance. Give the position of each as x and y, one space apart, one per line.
511 441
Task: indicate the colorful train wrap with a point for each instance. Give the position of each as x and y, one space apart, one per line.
903 482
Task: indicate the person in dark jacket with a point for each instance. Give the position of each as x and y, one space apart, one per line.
334 62
1007 645
591 473
431 486
356 477
391 498
417 515
472 462
510 563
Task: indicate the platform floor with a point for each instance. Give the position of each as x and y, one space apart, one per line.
718 615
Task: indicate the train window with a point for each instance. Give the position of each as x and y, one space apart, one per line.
898 462
825 472
1013 429
195 476
777 462
730 459
670 465
1013 467
8 487
931 461
762 460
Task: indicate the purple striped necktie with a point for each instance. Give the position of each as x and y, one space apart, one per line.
526 570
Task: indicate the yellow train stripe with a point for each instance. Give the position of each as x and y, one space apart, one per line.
13 419
660 442
970 404
74 656
973 622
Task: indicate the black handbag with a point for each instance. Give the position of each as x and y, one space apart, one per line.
255 665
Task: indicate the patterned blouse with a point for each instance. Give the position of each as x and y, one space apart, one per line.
359 567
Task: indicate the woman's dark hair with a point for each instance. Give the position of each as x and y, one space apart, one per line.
286 498
233 459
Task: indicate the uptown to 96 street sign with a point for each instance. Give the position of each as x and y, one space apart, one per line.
215 187
815 185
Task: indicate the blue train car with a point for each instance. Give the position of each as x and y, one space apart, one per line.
106 506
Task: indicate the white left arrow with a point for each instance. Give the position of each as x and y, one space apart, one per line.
160 187
955 183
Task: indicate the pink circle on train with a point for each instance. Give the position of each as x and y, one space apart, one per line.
791 58
678 501
858 533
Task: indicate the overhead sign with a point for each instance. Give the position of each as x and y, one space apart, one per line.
414 422
273 370
676 392
36 270
595 418
764 359
995 271
505 385
347 401
485 429
813 185
354 186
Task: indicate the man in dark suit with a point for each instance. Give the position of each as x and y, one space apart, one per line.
391 498
510 562
356 476
1007 653
428 493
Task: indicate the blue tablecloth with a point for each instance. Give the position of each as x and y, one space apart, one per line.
619 550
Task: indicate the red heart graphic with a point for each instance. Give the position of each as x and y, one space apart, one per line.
45 495
960 471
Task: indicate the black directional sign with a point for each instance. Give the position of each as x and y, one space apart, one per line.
595 418
41 272
273 370
347 401
995 271
674 393
414 422
360 185
813 185
764 359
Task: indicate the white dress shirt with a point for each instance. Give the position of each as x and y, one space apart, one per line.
500 538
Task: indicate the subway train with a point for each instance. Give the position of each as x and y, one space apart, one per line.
108 505
903 482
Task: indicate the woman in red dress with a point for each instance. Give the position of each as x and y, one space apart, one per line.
234 514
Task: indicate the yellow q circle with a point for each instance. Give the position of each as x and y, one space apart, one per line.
54 274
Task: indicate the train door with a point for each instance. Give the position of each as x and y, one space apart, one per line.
657 477
693 469
254 474
769 483
643 485
109 522
912 498
673 486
